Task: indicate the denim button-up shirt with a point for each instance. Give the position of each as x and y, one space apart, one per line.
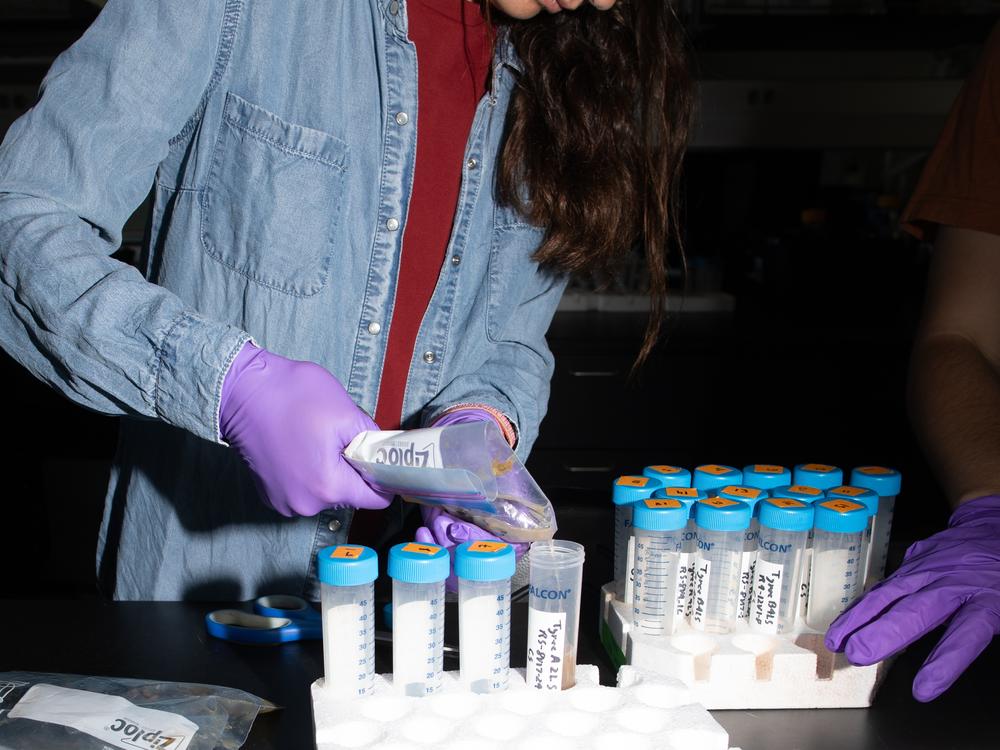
279 137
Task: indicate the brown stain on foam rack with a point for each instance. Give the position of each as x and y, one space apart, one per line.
824 658
763 648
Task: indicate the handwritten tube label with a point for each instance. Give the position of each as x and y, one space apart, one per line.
546 649
682 586
746 583
807 557
699 592
766 596
681 492
768 469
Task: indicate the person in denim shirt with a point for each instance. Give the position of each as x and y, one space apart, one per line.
279 140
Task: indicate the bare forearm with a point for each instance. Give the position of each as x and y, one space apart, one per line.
955 403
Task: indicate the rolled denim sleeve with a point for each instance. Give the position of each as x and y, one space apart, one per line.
515 377
72 170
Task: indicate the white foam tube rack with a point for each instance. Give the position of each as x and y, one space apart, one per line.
645 712
742 669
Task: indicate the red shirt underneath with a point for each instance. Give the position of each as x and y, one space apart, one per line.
453 59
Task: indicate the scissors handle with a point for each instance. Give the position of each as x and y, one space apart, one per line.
243 627
277 619
284 605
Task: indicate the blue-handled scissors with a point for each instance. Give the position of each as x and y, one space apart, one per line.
276 619
279 618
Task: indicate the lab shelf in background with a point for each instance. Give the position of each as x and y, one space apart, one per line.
699 302
827 114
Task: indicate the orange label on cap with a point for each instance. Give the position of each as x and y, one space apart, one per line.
632 481
750 492
818 467
680 492
842 506
768 469
875 470
804 489
785 502
422 549
714 469
487 546
849 491
664 504
667 469
349 553
720 502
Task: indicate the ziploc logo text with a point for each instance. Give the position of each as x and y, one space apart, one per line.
132 734
405 455
549 593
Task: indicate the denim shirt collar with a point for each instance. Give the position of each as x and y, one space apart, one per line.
396 19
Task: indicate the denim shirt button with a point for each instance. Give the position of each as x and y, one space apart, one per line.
472 163
392 225
334 525
374 328
402 118
394 7
455 260
429 357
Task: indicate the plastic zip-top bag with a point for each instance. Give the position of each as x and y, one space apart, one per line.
467 469
42 711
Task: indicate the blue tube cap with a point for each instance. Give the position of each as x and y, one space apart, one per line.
660 514
868 498
630 488
670 476
821 476
749 495
485 561
412 562
840 515
786 514
687 495
347 565
884 481
722 514
766 476
799 492
713 476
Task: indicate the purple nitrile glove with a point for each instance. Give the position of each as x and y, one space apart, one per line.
954 574
290 421
444 529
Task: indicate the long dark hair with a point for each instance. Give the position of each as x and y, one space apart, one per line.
595 136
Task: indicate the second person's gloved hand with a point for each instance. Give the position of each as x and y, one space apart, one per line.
290 421
446 531
954 575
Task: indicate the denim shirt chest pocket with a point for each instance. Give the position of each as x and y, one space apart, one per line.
272 202
514 242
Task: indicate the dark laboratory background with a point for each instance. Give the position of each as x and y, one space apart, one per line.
789 343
